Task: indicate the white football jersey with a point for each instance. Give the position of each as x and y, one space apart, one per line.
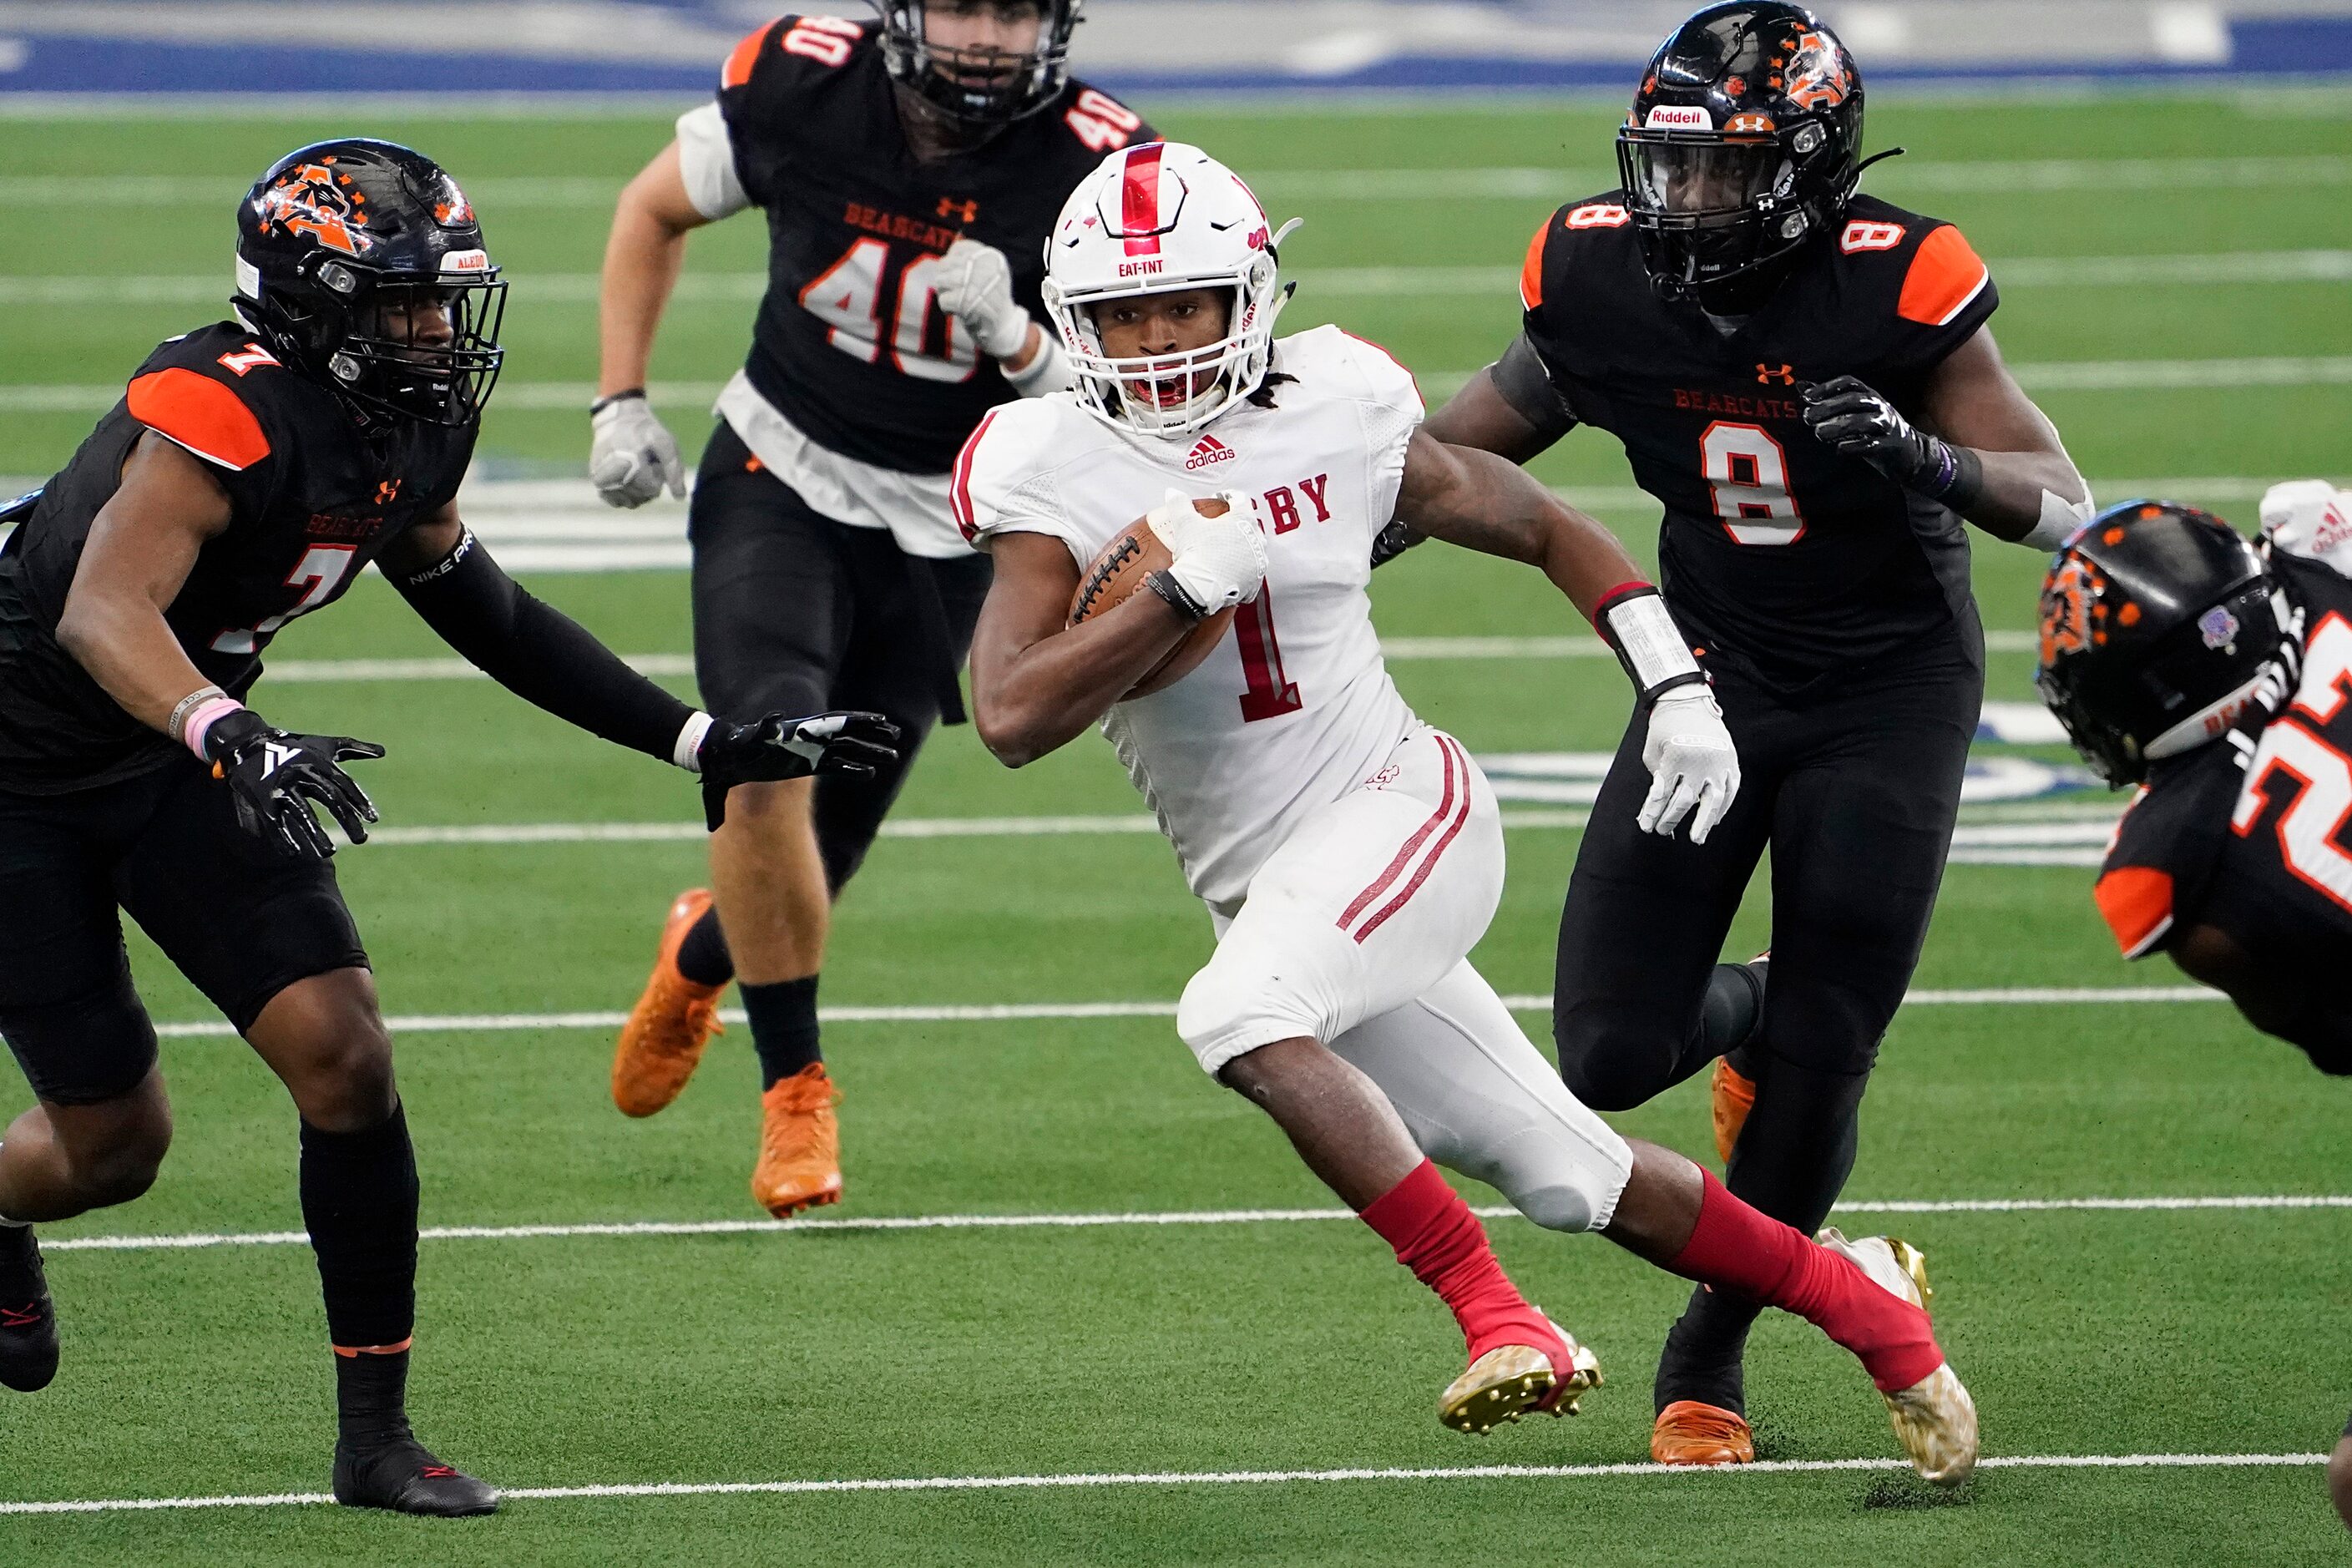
1293 708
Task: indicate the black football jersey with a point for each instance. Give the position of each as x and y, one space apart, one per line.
312 499
850 344
2252 833
1782 556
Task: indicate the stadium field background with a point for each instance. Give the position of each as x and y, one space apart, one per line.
2175 276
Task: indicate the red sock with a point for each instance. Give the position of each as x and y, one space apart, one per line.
1737 1249
1437 1237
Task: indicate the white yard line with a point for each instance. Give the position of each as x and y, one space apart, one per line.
1529 183
1091 1480
1013 1011
747 287
2061 375
197 1241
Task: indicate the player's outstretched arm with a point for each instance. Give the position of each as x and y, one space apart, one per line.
1508 408
634 456
1986 450
551 661
1037 683
1484 502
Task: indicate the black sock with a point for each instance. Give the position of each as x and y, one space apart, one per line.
359 1201
372 1399
783 1026
703 957
1792 1160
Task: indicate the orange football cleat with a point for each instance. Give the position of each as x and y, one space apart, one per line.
800 1144
661 1044
1689 1433
1735 1096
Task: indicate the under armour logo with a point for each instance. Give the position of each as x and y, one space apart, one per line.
951 208
387 492
1786 374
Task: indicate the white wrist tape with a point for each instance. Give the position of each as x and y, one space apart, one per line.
1047 374
1649 643
2060 517
687 752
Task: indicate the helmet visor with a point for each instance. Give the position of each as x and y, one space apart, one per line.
1674 177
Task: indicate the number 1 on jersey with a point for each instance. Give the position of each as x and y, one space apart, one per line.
1747 473
1271 694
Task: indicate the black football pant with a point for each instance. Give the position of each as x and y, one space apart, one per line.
1855 791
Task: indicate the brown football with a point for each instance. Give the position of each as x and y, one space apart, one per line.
1119 571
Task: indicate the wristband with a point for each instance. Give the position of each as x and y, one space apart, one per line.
1954 477
187 705
201 720
1047 374
1179 599
1633 620
602 404
688 751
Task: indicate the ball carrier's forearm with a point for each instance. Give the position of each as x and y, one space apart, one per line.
1036 698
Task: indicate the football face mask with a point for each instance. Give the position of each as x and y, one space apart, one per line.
1160 221
981 63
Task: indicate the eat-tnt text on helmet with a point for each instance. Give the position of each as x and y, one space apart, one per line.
362 265
1161 218
2158 623
1744 142
980 86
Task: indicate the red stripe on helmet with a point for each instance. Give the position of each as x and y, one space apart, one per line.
1140 200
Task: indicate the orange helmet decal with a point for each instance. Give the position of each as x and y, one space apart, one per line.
2069 600
308 201
1817 76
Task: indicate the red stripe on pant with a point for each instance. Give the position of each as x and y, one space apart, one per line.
1453 830
1396 868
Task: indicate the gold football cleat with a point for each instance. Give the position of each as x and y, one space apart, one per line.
1934 1419
1510 1380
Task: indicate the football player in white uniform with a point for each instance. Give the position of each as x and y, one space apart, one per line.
1350 856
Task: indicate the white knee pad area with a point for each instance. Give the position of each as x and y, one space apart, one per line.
1480 1099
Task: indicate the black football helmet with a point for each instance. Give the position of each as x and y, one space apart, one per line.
979 89
1743 145
2157 624
362 265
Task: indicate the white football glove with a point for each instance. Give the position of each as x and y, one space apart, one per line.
1694 767
1220 560
975 286
633 456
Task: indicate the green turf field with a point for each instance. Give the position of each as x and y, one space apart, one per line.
580 1362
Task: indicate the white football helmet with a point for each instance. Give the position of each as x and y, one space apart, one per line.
1155 219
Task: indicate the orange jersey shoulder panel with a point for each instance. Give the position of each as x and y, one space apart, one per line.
2138 904
1532 274
738 69
200 414
1946 274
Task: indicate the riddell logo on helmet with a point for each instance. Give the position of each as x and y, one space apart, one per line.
1678 117
1209 450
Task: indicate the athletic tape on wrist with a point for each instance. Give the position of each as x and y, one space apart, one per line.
1634 620
688 751
199 722
2060 517
1049 373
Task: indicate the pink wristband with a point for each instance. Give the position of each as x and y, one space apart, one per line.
191 732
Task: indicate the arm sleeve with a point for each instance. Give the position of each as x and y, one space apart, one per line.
540 655
1525 383
705 158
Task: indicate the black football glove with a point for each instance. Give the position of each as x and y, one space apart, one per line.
1845 414
276 777
777 748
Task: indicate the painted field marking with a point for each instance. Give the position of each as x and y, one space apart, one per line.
198 1241
1014 1011
1719 1476
2319 266
2061 375
1538 182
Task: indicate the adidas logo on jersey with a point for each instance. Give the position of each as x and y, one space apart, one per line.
1209 450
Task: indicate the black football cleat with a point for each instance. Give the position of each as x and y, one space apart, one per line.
402 1476
29 1319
